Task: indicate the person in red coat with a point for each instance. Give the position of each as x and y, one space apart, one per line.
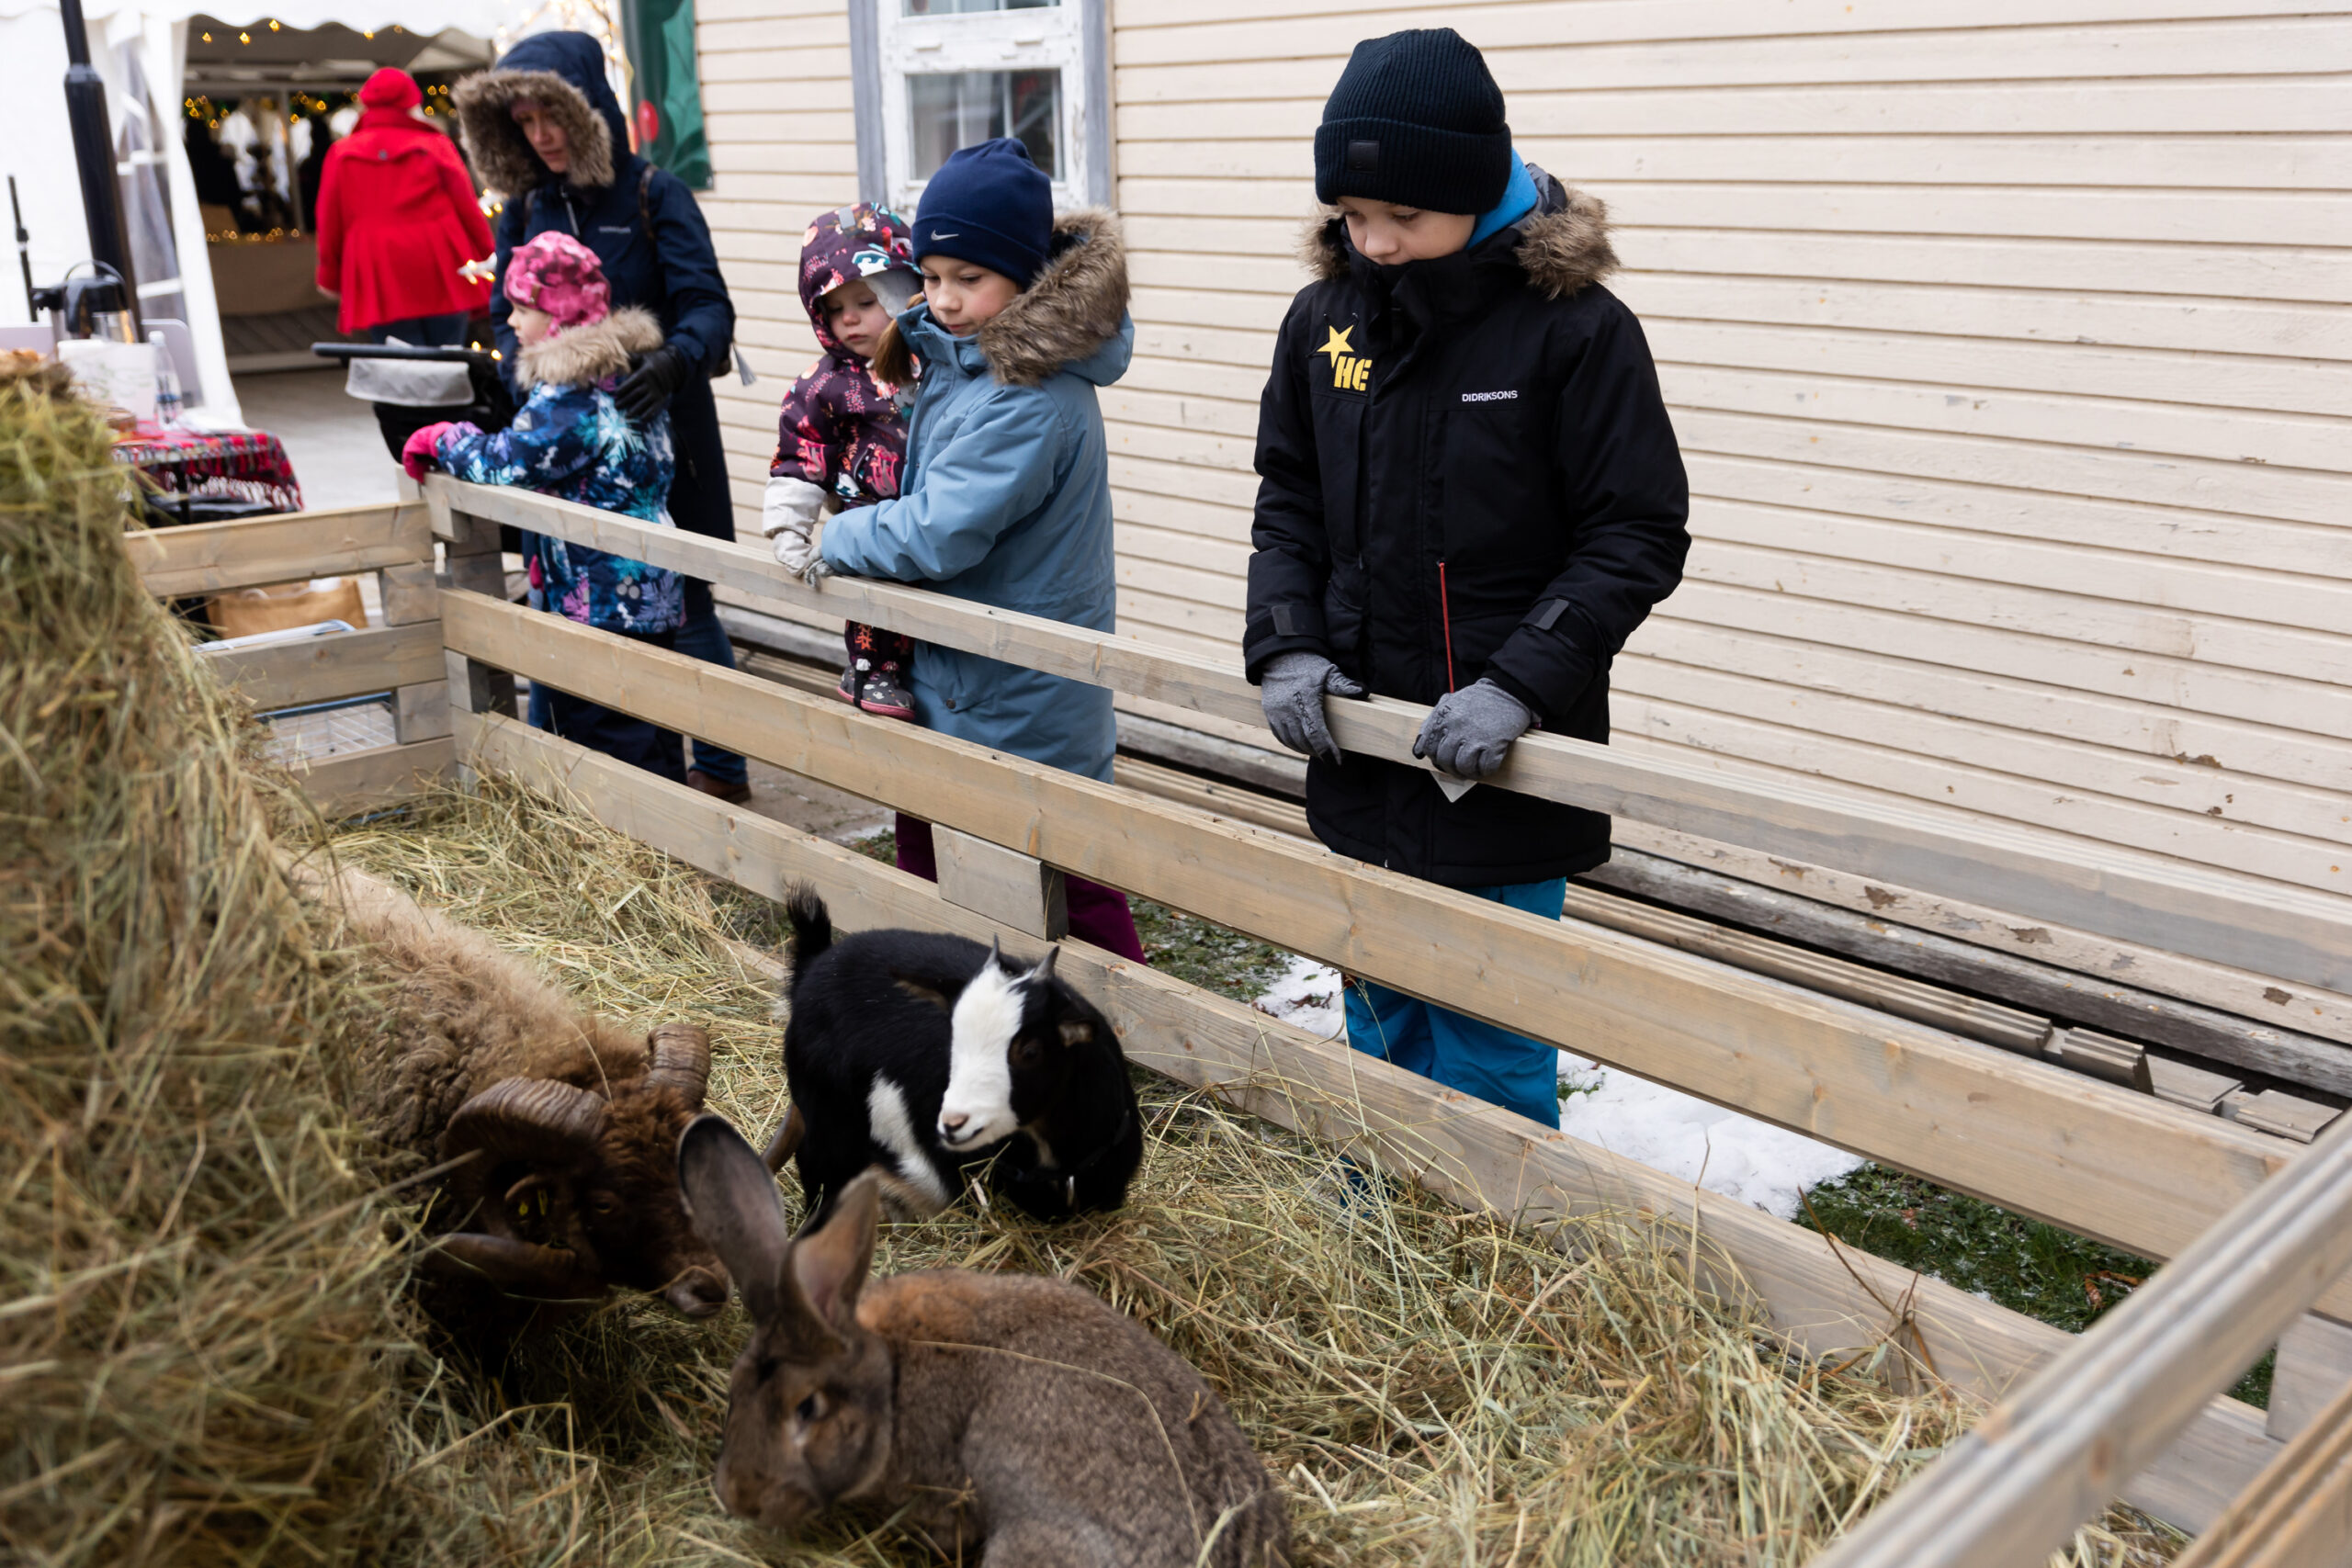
397 218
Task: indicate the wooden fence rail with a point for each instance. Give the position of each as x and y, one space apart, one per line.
2290 933
2049 1455
403 657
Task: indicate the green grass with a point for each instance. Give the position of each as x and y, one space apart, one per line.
2020 1263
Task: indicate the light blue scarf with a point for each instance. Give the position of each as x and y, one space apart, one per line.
1519 200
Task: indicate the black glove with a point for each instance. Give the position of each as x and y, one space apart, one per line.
1469 732
652 382
1291 690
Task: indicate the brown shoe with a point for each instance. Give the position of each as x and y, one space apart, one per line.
733 793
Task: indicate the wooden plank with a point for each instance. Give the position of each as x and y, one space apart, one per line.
2314 1365
2104 1056
340 664
2186 1083
2294 934
2048 1456
355 781
2280 1115
2021 650
1249 148
1198 24
2297 1513
408 594
2231 746
2198 1007
2122 1168
1005 885
1827 1300
204 558
422 712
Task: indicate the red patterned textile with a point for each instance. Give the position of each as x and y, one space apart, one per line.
240 465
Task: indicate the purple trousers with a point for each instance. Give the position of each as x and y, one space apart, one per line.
1097 914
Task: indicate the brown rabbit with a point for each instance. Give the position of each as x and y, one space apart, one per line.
1010 1409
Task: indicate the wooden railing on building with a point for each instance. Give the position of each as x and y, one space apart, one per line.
2092 1157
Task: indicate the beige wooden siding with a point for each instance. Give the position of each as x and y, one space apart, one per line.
2010 346
776 88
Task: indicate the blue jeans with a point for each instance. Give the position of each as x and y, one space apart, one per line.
701 638
1494 1064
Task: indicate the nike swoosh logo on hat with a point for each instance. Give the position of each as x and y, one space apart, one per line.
947 234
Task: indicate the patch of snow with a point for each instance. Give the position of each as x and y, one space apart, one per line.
1665 1129
1308 994
1684 1136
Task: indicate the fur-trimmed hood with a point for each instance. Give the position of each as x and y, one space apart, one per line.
1078 303
579 355
1562 246
564 72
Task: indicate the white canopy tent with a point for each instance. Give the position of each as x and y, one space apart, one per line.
152 36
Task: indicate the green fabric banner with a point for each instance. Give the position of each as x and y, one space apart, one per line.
665 91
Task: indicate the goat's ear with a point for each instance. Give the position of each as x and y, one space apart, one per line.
731 1198
828 1264
1077 1032
923 993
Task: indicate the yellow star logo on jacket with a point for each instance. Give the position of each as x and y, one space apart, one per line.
1350 372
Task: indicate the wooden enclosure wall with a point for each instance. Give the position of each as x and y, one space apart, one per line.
2006 344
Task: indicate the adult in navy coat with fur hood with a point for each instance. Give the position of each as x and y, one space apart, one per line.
649 237
1466 473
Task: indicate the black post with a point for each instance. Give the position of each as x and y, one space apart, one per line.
85 108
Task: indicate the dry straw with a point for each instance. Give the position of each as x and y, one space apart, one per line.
194 1289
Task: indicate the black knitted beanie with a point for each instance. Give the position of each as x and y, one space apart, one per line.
1417 120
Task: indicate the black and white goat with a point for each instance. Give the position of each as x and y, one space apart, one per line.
926 1055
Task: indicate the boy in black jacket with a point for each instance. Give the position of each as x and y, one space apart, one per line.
1470 496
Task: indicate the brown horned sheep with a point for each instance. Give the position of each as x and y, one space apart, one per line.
567 1126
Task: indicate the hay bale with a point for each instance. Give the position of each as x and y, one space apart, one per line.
1429 1387
195 1288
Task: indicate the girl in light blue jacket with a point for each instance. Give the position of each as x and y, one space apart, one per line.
1006 498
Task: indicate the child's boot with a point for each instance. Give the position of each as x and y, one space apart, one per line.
885 692
852 682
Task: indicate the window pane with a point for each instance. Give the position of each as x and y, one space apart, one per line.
967 8
973 106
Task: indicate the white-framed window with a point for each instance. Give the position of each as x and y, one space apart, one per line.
934 75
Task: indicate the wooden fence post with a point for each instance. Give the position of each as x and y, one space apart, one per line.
1006 885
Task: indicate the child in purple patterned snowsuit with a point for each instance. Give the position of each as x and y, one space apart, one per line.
841 436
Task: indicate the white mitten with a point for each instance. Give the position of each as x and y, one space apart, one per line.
788 518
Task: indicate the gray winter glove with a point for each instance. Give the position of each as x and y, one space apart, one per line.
1470 732
1291 689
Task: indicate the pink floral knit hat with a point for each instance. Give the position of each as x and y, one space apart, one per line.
557 274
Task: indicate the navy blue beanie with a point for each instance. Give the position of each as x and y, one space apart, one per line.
989 205
1417 120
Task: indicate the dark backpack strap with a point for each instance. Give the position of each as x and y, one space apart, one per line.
645 204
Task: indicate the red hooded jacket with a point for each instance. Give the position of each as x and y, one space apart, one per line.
397 218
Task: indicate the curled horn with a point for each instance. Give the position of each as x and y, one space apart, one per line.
528 1118
680 1055
517 1268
